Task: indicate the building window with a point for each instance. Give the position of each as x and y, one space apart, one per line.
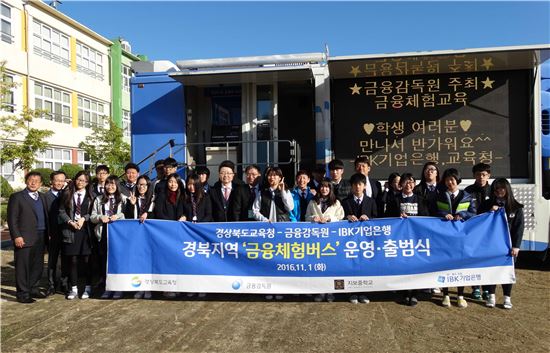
126 124
5 28
89 61
91 113
55 102
51 44
8 104
84 160
53 158
126 75
8 171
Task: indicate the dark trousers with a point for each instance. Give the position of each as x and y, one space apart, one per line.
460 291
54 250
99 252
29 263
506 289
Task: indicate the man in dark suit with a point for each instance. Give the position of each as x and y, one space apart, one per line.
341 186
28 223
131 173
53 200
358 206
252 177
373 188
227 196
101 173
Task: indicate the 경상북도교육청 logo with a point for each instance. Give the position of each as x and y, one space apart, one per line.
136 282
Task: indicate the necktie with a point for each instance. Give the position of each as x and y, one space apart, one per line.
226 194
101 189
111 206
358 202
252 194
304 195
78 204
452 197
34 196
141 205
323 206
431 188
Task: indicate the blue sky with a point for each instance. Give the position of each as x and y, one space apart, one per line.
197 30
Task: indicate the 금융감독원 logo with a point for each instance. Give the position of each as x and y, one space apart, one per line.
236 285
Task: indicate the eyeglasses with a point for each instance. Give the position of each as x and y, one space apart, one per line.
227 173
431 169
141 185
81 180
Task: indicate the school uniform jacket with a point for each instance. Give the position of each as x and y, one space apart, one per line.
65 216
393 205
133 212
516 221
463 205
368 207
204 210
165 210
53 203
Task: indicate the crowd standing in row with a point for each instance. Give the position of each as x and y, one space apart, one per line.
70 219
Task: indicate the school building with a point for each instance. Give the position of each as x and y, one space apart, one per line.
75 74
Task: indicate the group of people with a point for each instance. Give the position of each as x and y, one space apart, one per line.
70 219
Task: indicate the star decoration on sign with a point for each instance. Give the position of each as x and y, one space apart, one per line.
355 89
488 83
355 71
487 63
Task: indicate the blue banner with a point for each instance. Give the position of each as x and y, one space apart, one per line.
261 257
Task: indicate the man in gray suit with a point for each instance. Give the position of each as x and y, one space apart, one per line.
28 223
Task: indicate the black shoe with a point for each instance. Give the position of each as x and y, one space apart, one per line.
26 300
50 291
38 294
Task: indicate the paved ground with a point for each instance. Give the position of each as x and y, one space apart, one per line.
248 324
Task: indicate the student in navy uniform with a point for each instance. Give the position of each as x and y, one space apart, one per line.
204 175
341 186
480 191
373 188
302 194
101 174
317 176
196 204
28 225
392 188
502 196
454 205
139 206
429 185
128 186
74 213
273 204
227 196
159 169
107 208
170 167
359 207
53 200
405 204
253 177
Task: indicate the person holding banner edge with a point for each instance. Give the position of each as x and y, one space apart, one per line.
502 196
454 205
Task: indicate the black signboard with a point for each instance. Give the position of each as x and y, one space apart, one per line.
455 120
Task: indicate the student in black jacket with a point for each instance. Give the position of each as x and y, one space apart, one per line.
169 200
373 188
196 203
140 204
53 199
502 196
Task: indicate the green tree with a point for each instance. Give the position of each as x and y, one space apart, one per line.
70 169
20 142
107 146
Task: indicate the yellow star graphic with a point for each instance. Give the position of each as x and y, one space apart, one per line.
355 89
355 71
487 63
488 83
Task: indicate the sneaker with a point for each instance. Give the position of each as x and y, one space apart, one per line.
106 295
319 298
87 291
491 301
169 295
353 299
72 295
446 302
147 295
363 299
461 302
436 290
413 301
139 295
507 303
279 297
485 295
330 297
269 297
476 294
117 295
